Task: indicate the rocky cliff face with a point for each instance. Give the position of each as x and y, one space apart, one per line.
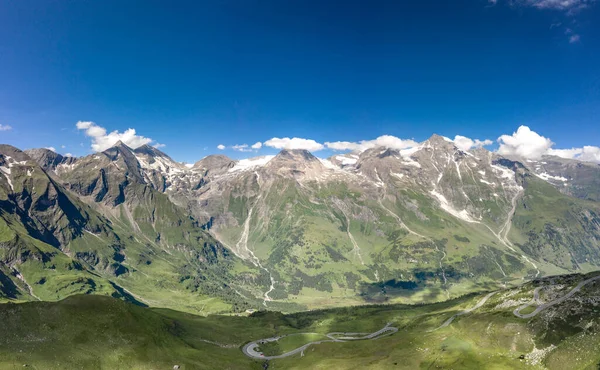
48 159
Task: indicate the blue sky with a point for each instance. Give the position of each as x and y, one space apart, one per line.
191 75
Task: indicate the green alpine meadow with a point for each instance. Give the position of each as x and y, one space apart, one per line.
128 259
300 184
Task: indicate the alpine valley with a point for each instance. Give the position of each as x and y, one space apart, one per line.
291 232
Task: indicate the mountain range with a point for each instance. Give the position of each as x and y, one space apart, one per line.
291 231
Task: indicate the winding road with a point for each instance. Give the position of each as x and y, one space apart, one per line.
465 312
543 306
252 349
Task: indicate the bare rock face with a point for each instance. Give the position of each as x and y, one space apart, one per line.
214 165
296 163
48 159
47 210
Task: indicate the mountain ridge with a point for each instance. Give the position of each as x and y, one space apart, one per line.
382 225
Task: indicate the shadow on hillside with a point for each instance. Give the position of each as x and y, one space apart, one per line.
428 292
126 296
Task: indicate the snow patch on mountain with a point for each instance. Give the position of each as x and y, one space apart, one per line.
445 205
328 164
250 163
504 172
486 182
6 171
546 177
410 151
345 161
410 162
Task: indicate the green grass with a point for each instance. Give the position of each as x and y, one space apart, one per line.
528 310
95 332
290 343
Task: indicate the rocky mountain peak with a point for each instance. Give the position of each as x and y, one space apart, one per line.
38 152
121 144
214 161
214 164
296 155
439 142
150 151
15 153
387 152
48 159
118 149
297 161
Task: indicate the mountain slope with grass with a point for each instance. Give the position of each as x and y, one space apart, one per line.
102 332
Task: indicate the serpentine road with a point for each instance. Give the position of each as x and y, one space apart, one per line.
467 311
543 306
251 349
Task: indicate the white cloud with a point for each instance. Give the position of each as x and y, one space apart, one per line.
588 153
294 143
242 148
5 127
465 144
82 125
63 146
394 142
101 140
159 145
51 148
529 144
524 143
565 153
343 145
385 141
570 6
68 155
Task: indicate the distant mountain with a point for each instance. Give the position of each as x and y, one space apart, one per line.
48 159
293 231
575 178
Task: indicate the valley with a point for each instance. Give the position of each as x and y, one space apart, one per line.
102 332
361 185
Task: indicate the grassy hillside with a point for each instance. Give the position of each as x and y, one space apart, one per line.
95 332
